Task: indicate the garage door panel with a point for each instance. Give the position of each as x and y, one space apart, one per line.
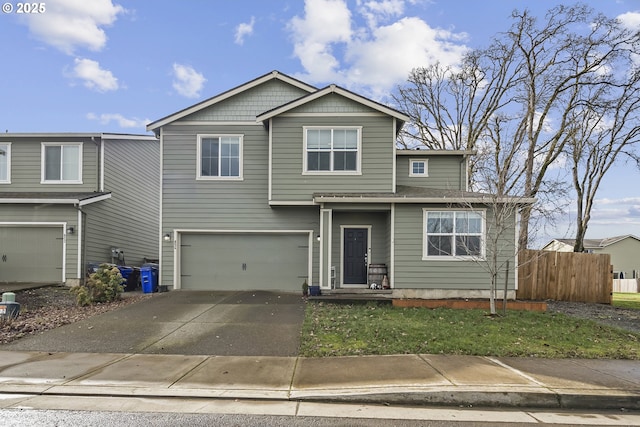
31 254
244 261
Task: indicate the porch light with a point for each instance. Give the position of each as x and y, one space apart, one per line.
70 230
167 237
318 237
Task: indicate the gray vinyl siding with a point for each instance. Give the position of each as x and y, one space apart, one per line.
411 271
289 182
444 172
190 204
26 165
47 214
333 104
249 104
129 220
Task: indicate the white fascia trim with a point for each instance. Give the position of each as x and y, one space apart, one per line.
79 232
216 123
362 114
229 94
460 200
392 249
270 165
124 136
432 152
238 231
394 164
33 223
292 203
101 184
94 200
160 196
77 202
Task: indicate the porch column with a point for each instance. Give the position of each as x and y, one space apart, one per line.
326 216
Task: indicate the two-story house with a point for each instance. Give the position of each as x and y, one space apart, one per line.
71 199
276 182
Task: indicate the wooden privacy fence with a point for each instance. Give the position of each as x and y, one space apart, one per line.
564 276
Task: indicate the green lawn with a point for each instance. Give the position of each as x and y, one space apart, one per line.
371 328
625 300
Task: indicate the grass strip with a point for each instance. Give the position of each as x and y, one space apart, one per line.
376 329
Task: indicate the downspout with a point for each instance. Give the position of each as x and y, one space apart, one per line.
99 163
82 244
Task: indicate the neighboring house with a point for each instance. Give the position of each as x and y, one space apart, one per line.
70 199
624 251
275 183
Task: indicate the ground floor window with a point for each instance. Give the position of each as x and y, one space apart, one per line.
453 234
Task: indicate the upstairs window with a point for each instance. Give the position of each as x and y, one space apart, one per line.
5 163
219 157
332 150
453 234
61 163
418 168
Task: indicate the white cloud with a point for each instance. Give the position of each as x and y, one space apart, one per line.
187 81
376 11
94 77
326 22
630 20
123 122
333 48
70 24
243 30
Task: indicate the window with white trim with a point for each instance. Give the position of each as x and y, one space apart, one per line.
332 149
418 167
219 157
453 234
61 163
5 163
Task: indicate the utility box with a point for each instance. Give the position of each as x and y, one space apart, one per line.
9 308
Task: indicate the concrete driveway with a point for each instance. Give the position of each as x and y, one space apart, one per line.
253 323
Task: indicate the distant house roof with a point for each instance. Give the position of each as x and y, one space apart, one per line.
79 199
595 243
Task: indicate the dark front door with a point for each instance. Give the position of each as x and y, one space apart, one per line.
355 256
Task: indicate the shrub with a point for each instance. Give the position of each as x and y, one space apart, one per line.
104 285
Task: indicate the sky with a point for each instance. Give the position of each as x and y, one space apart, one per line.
116 65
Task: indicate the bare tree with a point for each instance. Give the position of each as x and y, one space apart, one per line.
515 101
603 132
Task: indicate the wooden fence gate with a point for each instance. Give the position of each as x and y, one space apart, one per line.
564 276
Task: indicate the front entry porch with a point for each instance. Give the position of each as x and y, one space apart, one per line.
355 249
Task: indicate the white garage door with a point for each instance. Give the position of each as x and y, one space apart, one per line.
31 254
244 261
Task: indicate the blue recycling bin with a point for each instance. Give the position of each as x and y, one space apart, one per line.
149 278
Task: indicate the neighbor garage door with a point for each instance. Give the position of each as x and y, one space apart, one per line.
244 261
31 254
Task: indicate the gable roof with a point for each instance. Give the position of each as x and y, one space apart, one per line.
595 243
228 94
329 90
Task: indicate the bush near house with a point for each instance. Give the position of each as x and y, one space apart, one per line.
105 285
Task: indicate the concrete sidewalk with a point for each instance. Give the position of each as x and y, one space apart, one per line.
399 379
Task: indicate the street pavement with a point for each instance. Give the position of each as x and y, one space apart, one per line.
240 345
